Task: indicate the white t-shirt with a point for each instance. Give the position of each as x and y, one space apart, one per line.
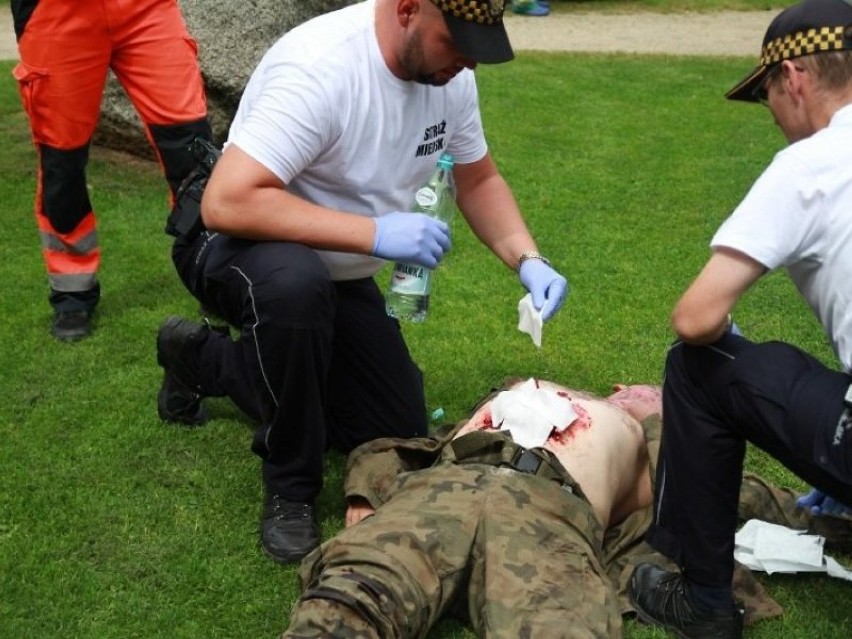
798 215
323 112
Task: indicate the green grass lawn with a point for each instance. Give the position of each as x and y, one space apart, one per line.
115 525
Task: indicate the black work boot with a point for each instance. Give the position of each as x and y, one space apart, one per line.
660 598
71 326
288 530
179 399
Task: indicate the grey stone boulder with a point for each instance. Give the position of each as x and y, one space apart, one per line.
232 36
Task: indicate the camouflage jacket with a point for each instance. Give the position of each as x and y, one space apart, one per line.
372 468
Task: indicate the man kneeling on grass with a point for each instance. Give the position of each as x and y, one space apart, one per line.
525 519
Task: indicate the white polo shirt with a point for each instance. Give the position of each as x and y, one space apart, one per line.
323 112
798 215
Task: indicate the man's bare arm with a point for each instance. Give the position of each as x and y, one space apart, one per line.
701 316
245 199
490 209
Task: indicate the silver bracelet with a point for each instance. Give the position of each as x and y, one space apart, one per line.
531 255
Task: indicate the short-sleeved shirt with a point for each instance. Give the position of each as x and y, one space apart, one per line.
798 215
323 112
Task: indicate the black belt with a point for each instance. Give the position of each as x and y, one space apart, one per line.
497 449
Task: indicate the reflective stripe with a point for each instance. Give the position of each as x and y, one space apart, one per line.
73 258
72 283
57 243
59 263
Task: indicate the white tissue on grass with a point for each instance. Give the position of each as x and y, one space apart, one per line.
530 414
771 548
529 319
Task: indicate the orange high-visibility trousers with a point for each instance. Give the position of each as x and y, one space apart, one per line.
67 48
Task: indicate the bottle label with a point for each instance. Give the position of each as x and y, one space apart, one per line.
426 197
409 279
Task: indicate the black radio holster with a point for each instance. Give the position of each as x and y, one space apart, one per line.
185 219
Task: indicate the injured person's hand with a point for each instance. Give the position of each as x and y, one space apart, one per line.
357 509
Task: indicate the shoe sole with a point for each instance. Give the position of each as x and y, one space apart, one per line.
74 335
291 558
70 337
200 416
196 420
650 621
647 618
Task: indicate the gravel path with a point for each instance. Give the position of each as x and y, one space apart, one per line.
8 48
737 33
725 33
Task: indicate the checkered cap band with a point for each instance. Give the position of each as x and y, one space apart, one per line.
479 11
804 43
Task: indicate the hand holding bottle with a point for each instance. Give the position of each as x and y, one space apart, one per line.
413 238
432 208
547 287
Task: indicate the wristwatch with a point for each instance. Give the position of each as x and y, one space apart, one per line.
531 255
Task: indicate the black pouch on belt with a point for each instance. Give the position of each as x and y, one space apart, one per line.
185 219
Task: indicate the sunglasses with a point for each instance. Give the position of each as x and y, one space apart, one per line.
761 91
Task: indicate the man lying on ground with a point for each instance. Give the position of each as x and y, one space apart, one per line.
526 519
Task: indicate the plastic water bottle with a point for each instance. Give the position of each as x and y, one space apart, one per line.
410 284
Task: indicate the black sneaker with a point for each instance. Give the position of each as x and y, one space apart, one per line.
660 598
70 326
288 530
179 399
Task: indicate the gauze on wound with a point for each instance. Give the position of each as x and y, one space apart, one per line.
530 414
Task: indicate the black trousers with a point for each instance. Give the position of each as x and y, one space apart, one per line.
717 397
317 362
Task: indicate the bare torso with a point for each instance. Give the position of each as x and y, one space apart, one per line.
603 449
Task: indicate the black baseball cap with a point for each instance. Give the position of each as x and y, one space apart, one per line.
808 27
477 29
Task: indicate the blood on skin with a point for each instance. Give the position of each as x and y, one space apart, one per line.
583 422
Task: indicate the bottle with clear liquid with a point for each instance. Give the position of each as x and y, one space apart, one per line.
410 285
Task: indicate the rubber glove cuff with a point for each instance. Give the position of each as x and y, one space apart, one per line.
547 287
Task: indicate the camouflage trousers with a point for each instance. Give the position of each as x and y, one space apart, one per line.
516 554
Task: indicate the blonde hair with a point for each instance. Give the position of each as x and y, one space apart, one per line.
833 70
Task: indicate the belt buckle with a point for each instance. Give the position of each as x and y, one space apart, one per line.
526 461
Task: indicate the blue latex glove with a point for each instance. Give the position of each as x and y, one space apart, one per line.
412 238
818 503
548 288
